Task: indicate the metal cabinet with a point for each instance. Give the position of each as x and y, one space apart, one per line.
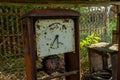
103 57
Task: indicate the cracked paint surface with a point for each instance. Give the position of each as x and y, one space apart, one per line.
54 36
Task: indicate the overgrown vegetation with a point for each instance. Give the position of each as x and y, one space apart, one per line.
102 35
91 39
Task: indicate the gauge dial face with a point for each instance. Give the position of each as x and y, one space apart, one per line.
54 36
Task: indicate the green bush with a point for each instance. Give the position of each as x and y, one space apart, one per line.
91 39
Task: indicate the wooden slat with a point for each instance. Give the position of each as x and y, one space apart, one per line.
18 30
10 35
3 32
21 29
55 1
13 32
59 1
60 75
10 28
8 31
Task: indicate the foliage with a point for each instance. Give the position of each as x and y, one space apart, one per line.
112 25
91 39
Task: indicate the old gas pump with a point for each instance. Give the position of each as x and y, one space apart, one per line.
52 32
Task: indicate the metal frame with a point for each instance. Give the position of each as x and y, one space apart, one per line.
71 59
118 67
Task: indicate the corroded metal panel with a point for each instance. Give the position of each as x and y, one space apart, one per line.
54 36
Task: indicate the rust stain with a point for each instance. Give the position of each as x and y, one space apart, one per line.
38 26
45 33
47 44
38 34
72 29
44 36
43 27
64 27
54 26
66 20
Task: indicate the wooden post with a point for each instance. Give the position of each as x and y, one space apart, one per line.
118 75
72 60
30 61
107 20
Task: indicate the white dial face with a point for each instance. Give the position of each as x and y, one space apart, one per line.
54 36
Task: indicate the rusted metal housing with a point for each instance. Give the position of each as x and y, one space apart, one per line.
103 58
71 59
115 36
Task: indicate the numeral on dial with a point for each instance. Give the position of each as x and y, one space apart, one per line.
56 41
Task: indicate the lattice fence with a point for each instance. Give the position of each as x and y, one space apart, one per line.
93 20
11 43
98 20
10 31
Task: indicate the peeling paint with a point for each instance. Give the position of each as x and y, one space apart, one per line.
57 35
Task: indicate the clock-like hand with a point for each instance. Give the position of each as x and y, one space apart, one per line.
56 38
